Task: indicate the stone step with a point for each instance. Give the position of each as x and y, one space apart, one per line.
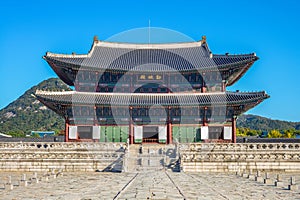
151 157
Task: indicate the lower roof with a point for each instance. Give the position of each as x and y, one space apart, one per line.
148 99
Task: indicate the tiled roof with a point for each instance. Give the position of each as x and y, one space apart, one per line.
163 57
140 99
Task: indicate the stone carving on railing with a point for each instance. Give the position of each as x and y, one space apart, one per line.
94 151
60 145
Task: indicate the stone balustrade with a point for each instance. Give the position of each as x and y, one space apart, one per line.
239 146
194 157
232 157
61 145
67 156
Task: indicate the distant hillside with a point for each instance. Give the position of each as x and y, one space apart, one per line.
265 124
27 113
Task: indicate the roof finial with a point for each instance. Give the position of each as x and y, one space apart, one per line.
96 38
204 39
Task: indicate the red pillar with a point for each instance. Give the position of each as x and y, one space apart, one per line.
95 121
169 127
204 117
66 130
130 127
130 132
234 129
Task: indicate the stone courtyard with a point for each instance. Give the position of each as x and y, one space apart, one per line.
87 171
148 185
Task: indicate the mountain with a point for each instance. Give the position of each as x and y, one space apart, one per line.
265 124
27 114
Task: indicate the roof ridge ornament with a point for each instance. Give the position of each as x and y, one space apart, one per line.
203 39
96 38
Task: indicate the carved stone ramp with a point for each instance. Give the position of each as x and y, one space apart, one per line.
151 157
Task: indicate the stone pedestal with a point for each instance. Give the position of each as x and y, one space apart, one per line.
259 179
279 184
268 181
34 179
23 183
251 177
45 178
293 187
8 186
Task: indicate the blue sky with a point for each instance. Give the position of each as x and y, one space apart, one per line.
270 28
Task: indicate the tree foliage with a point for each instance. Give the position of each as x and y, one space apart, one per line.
274 134
265 124
289 133
244 132
27 114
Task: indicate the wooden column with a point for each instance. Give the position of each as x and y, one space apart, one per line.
96 123
233 129
204 117
223 85
169 129
130 127
66 130
203 88
96 82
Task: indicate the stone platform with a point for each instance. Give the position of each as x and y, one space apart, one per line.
187 157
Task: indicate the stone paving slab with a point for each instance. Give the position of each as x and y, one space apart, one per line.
150 185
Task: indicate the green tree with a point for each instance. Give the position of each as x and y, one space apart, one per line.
35 135
16 133
289 133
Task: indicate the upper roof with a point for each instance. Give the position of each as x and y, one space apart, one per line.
159 57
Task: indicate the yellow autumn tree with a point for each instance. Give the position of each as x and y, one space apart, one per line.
274 134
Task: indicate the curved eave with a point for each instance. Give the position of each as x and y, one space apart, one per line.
148 99
235 77
60 73
52 105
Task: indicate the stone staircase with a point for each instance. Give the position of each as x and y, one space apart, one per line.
151 157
